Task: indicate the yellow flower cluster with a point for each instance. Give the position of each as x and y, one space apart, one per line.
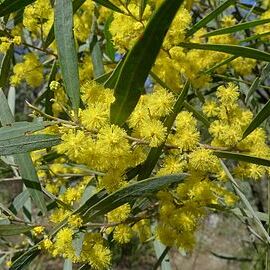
83 21
108 151
5 43
30 70
264 28
38 18
228 127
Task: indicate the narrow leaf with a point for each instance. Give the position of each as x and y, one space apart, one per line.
26 258
109 47
245 202
5 67
137 65
162 255
26 144
108 5
203 22
67 264
9 6
30 179
111 81
230 49
103 78
143 4
236 28
262 216
131 192
14 229
263 114
97 60
26 166
19 201
242 157
256 83
63 28
161 259
19 129
49 92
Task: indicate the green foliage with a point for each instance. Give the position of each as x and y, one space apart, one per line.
138 63
119 124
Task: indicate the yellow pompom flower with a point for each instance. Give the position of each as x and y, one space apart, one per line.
83 21
264 28
119 214
122 234
63 244
75 221
210 108
95 116
171 165
38 230
126 29
94 252
228 95
203 160
38 17
153 131
243 66
30 70
160 102
228 21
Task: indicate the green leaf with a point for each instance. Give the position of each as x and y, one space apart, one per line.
224 62
246 202
129 193
49 92
155 152
161 260
262 216
6 117
5 67
138 63
143 4
26 258
108 5
256 10
19 201
26 144
103 78
24 161
97 59
256 83
242 157
208 18
230 49
109 47
9 6
30 179
67 264
19 129
111 81
14 229
263 114
63 28
236 28
255 37
162 256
